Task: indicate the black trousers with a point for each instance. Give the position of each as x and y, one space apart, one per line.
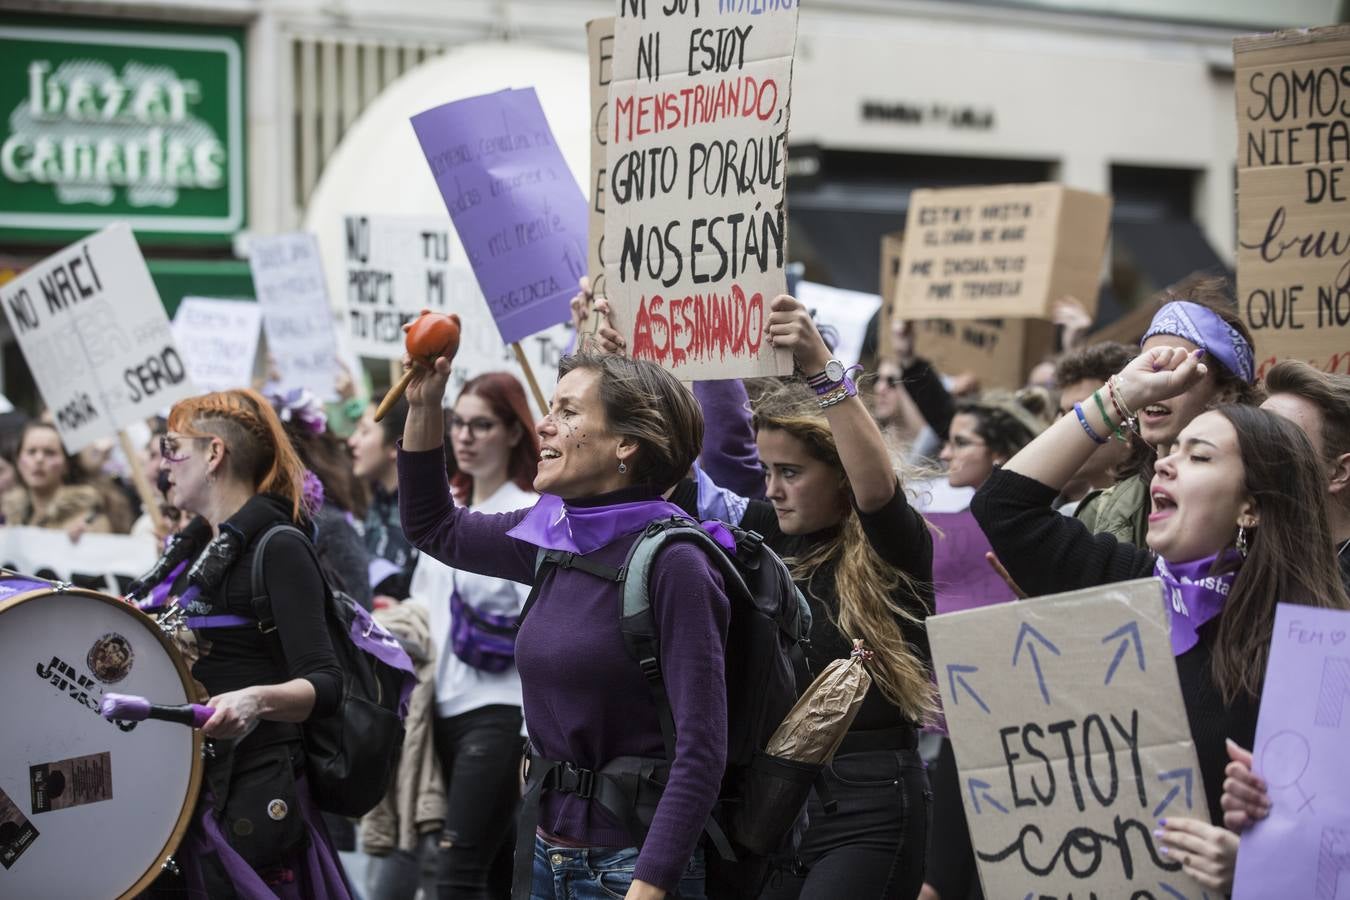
872 847
951 858
480 754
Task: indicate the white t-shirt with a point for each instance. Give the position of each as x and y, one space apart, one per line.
459 686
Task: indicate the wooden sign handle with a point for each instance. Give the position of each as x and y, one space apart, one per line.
395 392
150 500
529 377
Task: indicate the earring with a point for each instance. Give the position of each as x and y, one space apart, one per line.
623 467
1241 542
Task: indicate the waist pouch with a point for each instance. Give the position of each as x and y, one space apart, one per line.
260 815
484 640
774 791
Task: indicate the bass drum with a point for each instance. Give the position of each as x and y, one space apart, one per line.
88 807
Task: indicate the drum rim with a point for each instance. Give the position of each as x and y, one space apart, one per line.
184 674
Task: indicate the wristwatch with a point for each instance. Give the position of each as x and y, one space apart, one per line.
832 374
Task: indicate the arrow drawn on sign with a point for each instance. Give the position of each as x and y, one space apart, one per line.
1022 633
1204 895
954 675
982 787
1189 776
1126 633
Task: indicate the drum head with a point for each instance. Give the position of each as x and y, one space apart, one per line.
88 808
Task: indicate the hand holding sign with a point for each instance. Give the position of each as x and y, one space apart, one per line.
432 341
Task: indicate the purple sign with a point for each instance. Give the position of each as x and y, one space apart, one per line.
516 206
1302 849
962 578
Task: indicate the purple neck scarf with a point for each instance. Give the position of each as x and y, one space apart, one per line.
553 524
1205 328
1194 596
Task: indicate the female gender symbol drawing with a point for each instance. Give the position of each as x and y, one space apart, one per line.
1284 760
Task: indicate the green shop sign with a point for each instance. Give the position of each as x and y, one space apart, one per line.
102 124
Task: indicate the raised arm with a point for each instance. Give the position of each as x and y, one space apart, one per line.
862 451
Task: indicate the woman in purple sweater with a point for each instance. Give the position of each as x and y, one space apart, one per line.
618 434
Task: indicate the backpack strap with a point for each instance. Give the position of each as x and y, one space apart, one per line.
546 561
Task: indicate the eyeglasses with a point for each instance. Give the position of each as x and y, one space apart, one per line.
959 442
479 428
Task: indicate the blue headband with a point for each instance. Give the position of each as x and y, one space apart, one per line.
1205 328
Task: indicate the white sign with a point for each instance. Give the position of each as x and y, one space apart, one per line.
95 336
100 562
288 279
399 265
218 340
841 316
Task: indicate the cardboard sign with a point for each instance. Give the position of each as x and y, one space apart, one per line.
1000 352
517 207
218 340
841 316
100 562
1302 849
600 50
288 279
1071 739
396 265
695 221
1293 258
892 255
995 252
94 334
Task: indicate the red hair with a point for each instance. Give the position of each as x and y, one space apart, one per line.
506 398
257 448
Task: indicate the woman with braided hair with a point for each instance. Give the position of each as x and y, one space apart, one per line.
256 833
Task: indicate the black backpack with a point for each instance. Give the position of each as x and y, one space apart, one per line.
352 755
769 623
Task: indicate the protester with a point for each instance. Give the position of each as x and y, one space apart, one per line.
988 430
115 497
478 717
255 830
374 447
910 399
335 497
1079 373
1319 403
617 435
1239 523
1198 313
50 492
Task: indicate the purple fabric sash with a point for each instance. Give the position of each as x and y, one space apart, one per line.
373 638
159 594
554 525
1194 596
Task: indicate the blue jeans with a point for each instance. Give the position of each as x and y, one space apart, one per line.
598 873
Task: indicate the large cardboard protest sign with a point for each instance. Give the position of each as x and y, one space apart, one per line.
99 562
297 319
999 352
892 255
600 51
218 340
94 334
1293 258
519 212
397 265
1302 849
695 220
1071 738
997 252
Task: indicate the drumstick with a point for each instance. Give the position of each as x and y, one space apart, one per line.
130 708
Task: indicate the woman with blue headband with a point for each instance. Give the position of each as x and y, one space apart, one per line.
1198 313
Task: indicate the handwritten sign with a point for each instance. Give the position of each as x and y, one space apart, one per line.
1008 251
892 255
288 280
1302 849
517 207
600 50
999 352
1071 738
218 340
94 334
695 222
1293 259
396 265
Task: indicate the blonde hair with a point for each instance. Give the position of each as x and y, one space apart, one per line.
257 450
863 581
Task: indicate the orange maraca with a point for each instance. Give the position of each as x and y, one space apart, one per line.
430 335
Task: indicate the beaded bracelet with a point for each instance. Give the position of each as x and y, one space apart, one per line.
840 394
1082 420
1101 408
1118 401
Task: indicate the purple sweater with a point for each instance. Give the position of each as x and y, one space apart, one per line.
585 698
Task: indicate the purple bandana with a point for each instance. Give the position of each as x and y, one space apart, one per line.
554 525
1194 596
1205 328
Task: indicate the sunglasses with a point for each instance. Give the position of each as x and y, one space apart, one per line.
170 448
